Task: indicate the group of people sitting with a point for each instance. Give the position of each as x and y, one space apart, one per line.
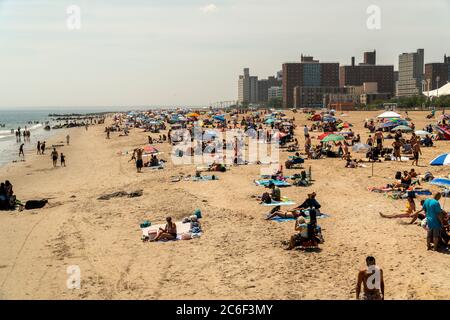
7 197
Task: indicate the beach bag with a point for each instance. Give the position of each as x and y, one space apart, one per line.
35 204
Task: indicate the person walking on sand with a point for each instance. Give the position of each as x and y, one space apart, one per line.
68 139
38 149
21 151
63 160
416 151
43 147
54 157
371 277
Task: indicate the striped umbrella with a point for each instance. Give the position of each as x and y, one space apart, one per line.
442 160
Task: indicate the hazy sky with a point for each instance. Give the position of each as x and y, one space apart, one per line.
190 52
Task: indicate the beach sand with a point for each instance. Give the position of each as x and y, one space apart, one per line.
239 256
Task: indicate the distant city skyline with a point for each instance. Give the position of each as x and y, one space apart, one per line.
191 52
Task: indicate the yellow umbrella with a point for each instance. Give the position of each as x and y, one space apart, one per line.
193 115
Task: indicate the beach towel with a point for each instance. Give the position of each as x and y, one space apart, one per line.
182 231
205 178
278 183
284 202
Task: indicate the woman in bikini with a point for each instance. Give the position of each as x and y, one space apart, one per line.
168 233
408 213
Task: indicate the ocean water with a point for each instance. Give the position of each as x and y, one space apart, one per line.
34 119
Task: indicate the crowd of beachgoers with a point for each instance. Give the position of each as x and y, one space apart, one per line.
392 137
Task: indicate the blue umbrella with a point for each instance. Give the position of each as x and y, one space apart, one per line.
442 182
441 160
219 118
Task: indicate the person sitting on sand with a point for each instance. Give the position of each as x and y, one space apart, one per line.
168 233
274 196
410 208
373 290
302 233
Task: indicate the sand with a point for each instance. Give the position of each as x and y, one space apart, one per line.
240 255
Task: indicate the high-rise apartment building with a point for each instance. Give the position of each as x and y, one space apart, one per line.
356 75
263 88
247 88
410 73
437 74
307 73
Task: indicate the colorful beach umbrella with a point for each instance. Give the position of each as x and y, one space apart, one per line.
323 135
344 125
332 137
150 149
402 128
441 160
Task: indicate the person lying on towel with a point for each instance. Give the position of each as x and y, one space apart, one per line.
168 233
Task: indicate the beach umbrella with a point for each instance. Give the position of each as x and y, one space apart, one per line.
193 115
442 182
150 149
441 160
329 119
388 125
323 135
333 137
402 128
361 148
344 125
389 114
421 133
220 118
269 121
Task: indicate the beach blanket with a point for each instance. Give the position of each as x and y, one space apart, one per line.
182 229
284 202
278 183
205 178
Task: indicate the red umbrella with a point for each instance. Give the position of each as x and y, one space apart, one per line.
323 135
150 149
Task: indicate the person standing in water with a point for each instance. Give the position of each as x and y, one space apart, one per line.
63 160
21 151
68 139
43 147
38 149
54 157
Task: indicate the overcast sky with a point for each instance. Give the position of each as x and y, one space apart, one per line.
191 52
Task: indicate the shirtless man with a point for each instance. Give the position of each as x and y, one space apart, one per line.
372 280
21 153
139 161
416 152
397 145
379 139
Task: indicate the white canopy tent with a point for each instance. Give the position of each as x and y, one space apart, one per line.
389 114
442 91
